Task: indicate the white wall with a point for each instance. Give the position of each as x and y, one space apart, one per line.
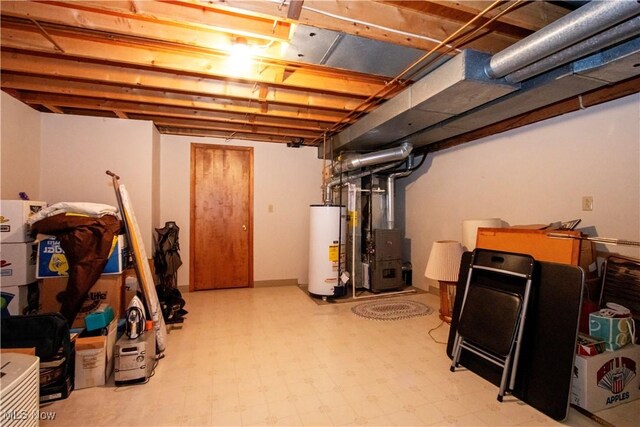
77 150
19 149
532 175
535 174
155 180
289 179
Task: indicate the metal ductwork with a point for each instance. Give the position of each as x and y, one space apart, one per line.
457 86
616 34
387 159
352 161
346 178
593 46
391 193
585 22
610 66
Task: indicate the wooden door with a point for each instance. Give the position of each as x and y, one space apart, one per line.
221 237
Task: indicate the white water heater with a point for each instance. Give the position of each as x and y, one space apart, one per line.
327 233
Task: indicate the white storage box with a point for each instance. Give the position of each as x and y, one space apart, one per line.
18 263
607 379
13 219
13 300
94 358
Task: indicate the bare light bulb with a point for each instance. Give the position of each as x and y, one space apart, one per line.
240 56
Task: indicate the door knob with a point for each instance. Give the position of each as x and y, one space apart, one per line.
244 227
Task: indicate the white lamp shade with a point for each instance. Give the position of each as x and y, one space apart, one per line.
470 230
444 261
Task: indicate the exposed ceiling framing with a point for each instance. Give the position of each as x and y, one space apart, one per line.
167 61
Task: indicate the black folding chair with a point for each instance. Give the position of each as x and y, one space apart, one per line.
493 311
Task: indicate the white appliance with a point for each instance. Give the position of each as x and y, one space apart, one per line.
327 234
134 358
19 390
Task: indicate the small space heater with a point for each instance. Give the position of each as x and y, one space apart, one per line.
20 390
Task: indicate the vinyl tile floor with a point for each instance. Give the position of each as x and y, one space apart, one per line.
272 357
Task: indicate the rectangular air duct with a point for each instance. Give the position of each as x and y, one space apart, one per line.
459 97
610 66
455 87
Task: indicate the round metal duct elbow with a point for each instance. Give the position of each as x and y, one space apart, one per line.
358 161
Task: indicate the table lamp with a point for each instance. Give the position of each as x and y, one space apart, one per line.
443 266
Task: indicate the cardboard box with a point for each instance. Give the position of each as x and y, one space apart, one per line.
589 346
107 290
31 351
13 218
13 300
18 263
607 379
94 358
52 261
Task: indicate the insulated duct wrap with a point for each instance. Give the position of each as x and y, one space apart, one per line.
620 32
584 22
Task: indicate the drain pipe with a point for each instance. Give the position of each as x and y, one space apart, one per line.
621 32
572 28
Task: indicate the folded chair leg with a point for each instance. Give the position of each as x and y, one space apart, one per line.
505 376
456 353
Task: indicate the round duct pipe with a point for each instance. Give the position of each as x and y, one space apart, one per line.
356 161
613 35
576 26
328 187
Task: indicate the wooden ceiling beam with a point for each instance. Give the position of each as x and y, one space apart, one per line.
150 17
225 127
128 108
378 21
295 7
90 113
262 96
208 133
530 16
125 77
126 23
53 108
46 86
150 56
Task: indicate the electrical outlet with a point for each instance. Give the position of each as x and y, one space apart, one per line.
587 203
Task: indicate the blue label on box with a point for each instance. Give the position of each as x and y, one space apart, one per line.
52 262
